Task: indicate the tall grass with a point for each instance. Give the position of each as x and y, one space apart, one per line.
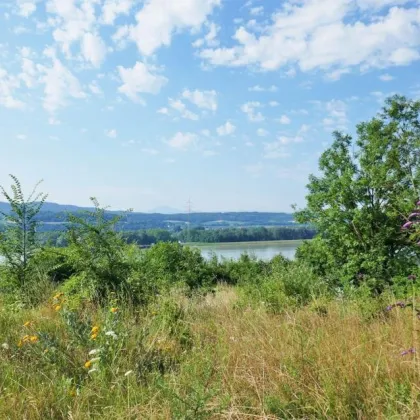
209 357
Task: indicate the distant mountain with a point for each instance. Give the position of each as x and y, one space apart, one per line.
53 217
165 210
51 207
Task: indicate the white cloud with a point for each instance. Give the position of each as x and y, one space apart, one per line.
93 49
324 34
179 106
275 150
226 129
29 73
112 133
21 136
205 132
113 8
53 121
182 140
60 84
210 38
386 77
163 111
206 99
273 103
8 85
262 133
72 23
256 11
288 140
249 108
26 8
258 88
139 79
95 88
284 119
336 118
158 20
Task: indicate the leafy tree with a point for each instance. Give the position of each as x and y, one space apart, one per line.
359 200
18 242
96 250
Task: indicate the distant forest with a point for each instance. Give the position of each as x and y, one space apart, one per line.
54 216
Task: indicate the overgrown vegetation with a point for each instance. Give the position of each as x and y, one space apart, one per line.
101 329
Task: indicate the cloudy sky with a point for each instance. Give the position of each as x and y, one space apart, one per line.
227 102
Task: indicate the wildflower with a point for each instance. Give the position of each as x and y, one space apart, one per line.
46 351
114 310
407 225
95 359
5 346
112 334
389 307
94 336
128 373
20 343
33 339
414 215
95 329
88 364
92 352
57 307
409 351
25 338
72 393
58 295
27 324
92 370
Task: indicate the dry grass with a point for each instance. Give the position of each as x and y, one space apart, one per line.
239 364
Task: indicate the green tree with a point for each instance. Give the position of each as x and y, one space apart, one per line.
19 241
359 200
97 252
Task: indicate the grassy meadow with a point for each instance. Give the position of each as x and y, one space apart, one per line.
212 356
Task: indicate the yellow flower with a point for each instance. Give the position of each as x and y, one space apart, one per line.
33 339
20 343
46 351
114 310
95 330
25 338
93 336
72 393
88 364
58 295
28 324
57 307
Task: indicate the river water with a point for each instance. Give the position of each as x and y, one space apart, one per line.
262 250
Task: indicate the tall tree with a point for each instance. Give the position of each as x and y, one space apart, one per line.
19 241
359 200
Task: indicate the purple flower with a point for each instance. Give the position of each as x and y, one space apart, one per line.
414 215
389 307
407 225
418 203
409 351
400 304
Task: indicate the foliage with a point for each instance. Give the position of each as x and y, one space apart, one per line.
18 242
96 251
358 202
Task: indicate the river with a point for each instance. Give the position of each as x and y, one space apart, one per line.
262 250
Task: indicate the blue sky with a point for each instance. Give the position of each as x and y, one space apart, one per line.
230 103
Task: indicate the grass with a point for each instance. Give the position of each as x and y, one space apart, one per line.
211 357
